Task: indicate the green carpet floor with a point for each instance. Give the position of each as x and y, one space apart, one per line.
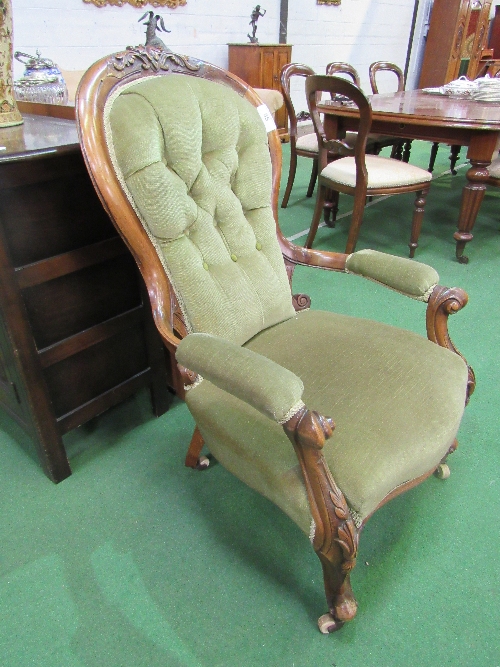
136 561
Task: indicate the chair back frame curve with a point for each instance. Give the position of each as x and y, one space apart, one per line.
382 66
337 85
103 80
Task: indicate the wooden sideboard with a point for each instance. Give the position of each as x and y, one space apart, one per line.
260 66
458 33
76 331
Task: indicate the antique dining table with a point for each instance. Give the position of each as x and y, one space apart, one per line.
420 115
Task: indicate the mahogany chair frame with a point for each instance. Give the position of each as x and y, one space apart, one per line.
382 66
336 536
334 86
288 71
402 148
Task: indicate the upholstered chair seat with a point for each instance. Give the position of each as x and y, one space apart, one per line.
399 412
382 172
308 142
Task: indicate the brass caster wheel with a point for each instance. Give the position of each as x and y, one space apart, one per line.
442 471
203 462
327 624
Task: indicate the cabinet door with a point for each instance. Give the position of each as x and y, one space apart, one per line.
267 68
281 58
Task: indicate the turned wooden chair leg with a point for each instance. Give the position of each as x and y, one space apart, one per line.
397 151
314 176
291 178
357 219
407 151
330 208
454 153
193 458
320 202
418 216
433 155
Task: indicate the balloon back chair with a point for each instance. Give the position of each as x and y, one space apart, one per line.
401 149
358 174
375 142
187 165
305 145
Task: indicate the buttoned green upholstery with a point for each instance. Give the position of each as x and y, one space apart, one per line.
198 172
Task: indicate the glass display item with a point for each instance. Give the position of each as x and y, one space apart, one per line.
42 80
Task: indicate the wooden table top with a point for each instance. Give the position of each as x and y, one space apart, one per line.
417 107
38 136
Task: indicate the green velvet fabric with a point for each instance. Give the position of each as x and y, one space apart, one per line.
255 379
404 275
396 398
194 157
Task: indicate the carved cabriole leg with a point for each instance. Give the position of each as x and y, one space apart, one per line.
418 216
336 536
443 302
472 196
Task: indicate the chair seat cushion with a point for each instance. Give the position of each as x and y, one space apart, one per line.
273 99
396 399
307 142
383 172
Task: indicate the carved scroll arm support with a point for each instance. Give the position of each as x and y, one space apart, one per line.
443 302
277 393
336 536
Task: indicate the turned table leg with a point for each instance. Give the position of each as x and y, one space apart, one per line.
472 196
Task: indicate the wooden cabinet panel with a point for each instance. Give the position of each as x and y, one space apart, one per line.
76 330
457 34
260 66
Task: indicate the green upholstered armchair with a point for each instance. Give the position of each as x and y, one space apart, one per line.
187 164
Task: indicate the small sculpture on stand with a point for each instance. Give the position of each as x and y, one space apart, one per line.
153 24
254 17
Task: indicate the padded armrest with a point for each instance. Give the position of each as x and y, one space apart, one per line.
407 276
260 382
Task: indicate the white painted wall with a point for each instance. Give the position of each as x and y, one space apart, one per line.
75 34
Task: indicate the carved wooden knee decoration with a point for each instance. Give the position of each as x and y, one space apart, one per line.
335 538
